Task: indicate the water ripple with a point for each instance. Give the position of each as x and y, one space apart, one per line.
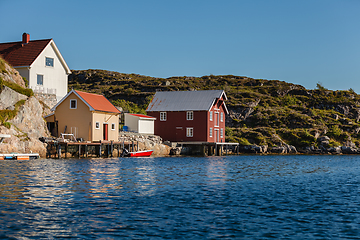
256 197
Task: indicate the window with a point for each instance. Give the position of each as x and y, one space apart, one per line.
189 132
40 79
73 104
113 126
221 117
210 132
221 133
49 62
211 115
162 116
97 125
189 115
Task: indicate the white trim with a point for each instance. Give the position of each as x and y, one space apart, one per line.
52 43
221 133
71 100
189 115
113 125
164 118
72 91
42 79
97 127
53 62
221 117
211 132
211 116
188 131
49 115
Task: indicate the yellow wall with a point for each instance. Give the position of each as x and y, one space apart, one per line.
84 121
79 118
105 118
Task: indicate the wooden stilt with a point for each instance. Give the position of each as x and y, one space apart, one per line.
59 151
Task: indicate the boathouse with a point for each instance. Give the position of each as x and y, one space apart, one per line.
189 116
139 123
86 116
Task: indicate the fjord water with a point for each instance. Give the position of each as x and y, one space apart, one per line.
252 197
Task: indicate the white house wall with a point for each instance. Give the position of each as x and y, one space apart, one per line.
146 126
24 72
131 122
53 77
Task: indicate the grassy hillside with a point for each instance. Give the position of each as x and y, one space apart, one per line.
262 112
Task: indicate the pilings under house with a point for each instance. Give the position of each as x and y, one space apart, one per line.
207 148
58 149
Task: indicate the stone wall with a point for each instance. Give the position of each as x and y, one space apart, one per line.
48 99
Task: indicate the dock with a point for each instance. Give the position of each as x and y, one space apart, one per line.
98 149
209 148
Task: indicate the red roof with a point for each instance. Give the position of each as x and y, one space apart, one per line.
141 115
98 102
19 54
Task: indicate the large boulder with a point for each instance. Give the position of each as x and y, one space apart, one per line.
9 97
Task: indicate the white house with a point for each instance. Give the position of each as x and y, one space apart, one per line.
40 62
139 123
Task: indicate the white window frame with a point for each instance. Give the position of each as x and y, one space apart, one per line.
46 58
221 133
97 125
211 132
73 100
189 115
211 115
190 132
162 116
42 79
221 116
113 126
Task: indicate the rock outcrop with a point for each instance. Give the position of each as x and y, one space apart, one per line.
27 126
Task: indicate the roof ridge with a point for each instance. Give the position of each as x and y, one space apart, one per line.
48 39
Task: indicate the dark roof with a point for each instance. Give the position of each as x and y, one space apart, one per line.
19 54
185 100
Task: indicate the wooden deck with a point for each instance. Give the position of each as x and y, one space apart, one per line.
58 149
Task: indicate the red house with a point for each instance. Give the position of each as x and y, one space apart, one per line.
189 116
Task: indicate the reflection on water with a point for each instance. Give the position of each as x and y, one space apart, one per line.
216 197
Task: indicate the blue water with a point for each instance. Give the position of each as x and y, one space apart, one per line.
249 197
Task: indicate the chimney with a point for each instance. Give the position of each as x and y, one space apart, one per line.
25 38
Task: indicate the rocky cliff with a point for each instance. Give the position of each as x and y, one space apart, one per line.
20 114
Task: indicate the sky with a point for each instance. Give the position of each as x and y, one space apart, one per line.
298 41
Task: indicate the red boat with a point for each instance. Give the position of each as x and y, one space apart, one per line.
145 153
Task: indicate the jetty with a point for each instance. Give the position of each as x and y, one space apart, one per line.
98 149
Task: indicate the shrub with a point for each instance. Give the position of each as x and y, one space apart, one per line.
7 125
25 91
244 142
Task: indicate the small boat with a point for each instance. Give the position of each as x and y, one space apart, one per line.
145 153
19 156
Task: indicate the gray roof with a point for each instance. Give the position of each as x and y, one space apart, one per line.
185 100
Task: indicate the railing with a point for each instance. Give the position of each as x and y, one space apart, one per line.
38 89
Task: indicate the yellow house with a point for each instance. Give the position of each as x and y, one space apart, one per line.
89 116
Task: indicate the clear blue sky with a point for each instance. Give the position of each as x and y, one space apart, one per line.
297 41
